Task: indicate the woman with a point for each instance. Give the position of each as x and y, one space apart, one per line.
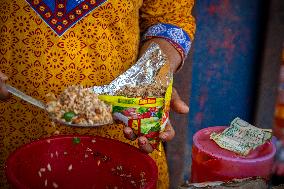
49 45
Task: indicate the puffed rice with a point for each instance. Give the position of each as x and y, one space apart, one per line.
89 109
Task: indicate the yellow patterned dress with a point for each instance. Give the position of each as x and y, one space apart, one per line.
47 45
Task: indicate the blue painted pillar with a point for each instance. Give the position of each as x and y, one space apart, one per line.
224 62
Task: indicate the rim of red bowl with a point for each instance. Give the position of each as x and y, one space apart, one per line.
240 160
12 178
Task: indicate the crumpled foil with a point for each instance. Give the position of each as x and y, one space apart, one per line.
143 72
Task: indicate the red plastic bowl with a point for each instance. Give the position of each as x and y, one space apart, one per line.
90 162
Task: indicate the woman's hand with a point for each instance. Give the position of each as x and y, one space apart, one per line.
4 94
177 104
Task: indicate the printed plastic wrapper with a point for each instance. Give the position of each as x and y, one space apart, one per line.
141 96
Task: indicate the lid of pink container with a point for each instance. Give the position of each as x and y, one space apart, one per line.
202 141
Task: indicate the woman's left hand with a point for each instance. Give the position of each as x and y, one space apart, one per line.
177 104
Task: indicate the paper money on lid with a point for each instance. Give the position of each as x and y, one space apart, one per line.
241 137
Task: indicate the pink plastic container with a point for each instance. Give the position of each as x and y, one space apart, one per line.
212 163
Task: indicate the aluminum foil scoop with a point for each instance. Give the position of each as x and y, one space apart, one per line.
142 73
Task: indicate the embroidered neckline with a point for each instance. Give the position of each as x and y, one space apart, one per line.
59 19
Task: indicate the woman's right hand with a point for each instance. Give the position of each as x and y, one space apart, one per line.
4 94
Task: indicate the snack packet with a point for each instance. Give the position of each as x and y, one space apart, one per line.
141 96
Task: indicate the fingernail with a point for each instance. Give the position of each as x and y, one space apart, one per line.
132 136
164 136
3 77
185 107
128 131
143 142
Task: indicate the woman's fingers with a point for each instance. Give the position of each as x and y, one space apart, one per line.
177 104
3 91
3 77
168 134
129 134
144 144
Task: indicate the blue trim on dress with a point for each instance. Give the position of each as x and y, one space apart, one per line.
171 32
